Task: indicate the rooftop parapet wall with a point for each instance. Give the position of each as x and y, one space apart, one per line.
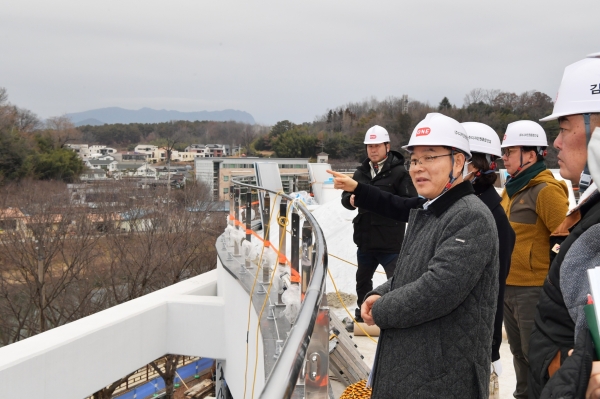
78 359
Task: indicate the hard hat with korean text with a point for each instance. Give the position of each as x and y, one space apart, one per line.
482 138
579 91
524 134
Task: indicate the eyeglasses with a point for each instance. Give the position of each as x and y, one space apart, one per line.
425 159
507 151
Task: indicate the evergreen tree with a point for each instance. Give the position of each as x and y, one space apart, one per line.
444 104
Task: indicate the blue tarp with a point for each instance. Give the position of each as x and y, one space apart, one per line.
157 385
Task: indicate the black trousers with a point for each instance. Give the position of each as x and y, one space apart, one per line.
367 264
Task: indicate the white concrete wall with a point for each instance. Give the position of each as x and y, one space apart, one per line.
77 359
236 301
204 171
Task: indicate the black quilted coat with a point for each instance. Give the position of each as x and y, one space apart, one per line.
372 232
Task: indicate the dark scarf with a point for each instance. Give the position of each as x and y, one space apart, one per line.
523 178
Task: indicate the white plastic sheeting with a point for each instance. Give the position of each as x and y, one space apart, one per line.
336 223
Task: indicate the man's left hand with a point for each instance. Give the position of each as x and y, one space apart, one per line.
365 309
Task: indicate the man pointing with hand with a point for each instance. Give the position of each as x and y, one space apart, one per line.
436 313
378 238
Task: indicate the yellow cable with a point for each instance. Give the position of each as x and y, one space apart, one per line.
344 305
284 223
350 263
252 292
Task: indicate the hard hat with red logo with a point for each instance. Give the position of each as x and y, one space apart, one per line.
482 138
524 134
439 130
377 135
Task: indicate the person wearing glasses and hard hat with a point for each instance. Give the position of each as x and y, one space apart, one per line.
481 171
560 320
378 238
436 313
536 204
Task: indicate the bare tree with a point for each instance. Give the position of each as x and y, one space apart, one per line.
489 96
506 100
3 95
26 121
167 372
247 136
45 255
473 97
107 393
62 130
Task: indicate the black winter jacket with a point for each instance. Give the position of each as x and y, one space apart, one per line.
372 232
571 379
554 329
506 237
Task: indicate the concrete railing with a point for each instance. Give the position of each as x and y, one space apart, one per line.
82 357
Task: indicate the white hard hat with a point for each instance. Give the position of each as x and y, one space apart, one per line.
437 129
482 138
579 91
377 135
524 134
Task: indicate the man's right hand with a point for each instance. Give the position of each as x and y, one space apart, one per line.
342 181
365 309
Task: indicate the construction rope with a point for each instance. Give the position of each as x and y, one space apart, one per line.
284 221
347 311
348 262
251 294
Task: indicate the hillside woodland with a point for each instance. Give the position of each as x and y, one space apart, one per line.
340 131
30 148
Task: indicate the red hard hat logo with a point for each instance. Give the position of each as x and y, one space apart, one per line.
504 137
424 131
373 136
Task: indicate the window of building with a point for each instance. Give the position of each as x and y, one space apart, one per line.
225 178
226 190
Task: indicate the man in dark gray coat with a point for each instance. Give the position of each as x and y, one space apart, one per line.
436 313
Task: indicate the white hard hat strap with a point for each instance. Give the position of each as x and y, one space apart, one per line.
586 178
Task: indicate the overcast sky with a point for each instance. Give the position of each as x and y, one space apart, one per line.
282 59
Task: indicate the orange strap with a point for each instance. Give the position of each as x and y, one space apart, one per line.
295 278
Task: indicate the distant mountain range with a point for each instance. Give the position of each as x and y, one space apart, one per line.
111 115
